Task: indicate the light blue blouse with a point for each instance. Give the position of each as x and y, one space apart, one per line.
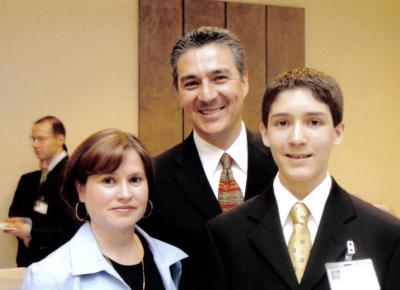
79 264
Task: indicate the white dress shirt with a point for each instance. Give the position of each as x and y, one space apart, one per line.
56 160
210 157
315 202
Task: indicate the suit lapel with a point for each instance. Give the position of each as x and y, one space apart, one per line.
192 179
330 242
268 238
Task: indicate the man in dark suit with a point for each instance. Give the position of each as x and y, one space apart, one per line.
263 244
40 217
210 77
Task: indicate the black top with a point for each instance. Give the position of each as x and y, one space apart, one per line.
133 274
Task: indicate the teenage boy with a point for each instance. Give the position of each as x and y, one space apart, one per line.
298 232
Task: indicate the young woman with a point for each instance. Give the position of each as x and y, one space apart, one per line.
106 184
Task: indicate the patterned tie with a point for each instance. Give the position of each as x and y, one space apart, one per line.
43 177
300 240
229 193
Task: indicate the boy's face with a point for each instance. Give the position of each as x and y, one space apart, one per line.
301 134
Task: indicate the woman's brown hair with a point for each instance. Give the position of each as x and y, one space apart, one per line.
101 153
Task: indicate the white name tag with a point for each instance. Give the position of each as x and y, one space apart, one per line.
350 275
41 206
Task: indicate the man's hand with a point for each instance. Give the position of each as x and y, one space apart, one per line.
19 227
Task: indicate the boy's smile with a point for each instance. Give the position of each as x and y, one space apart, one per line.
301 134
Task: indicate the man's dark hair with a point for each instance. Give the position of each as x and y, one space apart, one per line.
207 35
56 124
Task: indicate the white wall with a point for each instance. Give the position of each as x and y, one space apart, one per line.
75 59
358 43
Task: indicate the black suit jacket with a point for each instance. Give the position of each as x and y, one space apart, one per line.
250 253
184 201
51 230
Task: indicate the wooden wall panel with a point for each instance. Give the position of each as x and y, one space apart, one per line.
285 39
248 23
198 13
203 12
273 38
160 118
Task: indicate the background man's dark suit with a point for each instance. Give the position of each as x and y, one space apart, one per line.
184 201
253 252
48 231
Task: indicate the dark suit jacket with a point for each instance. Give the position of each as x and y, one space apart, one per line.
184 201
51 230
248 246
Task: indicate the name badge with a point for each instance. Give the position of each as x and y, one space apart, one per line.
350 275
41 206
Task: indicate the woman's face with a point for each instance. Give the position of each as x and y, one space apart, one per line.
116 201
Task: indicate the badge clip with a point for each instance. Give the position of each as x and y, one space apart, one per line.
351 251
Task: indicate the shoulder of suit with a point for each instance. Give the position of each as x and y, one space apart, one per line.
254 138
240 213
373 213
61 165
175 152
31 174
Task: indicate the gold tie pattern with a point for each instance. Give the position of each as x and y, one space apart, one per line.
300 241
229 192
43 177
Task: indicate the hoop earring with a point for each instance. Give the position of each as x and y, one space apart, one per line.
77 213
145 216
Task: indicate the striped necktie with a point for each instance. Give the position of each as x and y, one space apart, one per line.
229 192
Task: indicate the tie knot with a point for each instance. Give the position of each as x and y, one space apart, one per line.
299 213
226 161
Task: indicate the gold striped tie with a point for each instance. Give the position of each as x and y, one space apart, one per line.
300 241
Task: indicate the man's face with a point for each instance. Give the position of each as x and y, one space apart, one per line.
212 92
301 134
44 143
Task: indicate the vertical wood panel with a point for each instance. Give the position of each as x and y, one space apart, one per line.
285 39
203 12
160 116
199 13
273 38
248 23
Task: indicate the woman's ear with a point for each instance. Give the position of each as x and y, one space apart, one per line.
80 188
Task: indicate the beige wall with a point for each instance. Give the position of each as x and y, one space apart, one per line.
357 42
76 59
79 58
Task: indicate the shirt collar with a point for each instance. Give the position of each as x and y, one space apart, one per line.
165 255
210 155
56 159
315 201
84 241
